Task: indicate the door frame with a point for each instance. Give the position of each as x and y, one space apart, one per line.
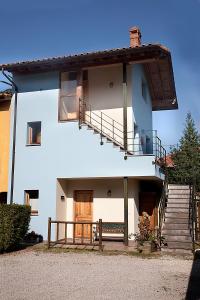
155 209
74 204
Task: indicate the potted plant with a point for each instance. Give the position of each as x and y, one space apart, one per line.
146 241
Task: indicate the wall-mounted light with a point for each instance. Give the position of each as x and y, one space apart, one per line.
109 193
62 198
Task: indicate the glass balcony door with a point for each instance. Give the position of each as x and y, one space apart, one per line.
68 108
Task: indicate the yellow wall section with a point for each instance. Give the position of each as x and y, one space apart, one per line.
4 144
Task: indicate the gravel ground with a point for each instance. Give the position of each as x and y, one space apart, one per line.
38 275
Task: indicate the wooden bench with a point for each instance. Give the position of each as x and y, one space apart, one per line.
110 231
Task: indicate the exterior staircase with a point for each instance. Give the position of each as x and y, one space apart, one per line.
176 226
112 131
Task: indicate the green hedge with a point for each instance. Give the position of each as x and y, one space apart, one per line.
14 224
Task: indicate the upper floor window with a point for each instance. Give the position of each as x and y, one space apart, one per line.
31 198
144 89
34 133
68 104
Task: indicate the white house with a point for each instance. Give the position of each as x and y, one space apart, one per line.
84 146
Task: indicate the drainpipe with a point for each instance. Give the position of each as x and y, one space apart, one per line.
125 109
14 86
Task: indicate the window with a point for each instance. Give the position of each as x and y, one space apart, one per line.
3 198
144 90
31 198
34 133
68 106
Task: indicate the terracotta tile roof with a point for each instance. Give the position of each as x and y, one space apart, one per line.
155 58
78 55
6 94
169 161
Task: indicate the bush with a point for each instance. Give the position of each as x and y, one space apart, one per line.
145 232
33 237
14 223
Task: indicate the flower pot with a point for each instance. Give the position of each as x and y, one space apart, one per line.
146 247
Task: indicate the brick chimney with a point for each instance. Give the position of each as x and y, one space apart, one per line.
135 37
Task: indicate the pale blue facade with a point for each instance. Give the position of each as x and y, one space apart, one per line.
66 151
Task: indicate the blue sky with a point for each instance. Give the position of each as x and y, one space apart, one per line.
38 29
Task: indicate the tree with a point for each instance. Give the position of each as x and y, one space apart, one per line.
186 157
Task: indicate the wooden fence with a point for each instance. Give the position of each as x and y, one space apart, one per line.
74 240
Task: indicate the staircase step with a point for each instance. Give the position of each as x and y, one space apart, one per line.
90 127
186 252
106 135
169 232
177 200
175 226
178 238
115 145
178 187
95 131
178 215
177 209
109 140
181 196
179 245
179 192
176 220
178 205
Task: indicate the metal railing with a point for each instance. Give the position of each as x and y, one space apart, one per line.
194 222
101 122
162 207
140 143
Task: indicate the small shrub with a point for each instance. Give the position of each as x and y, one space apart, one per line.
145 232
33 238
14 223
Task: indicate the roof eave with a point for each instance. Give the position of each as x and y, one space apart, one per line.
155 58
5 97
84 59
164 106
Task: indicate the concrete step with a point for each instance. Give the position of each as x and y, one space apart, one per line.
184 215
177 201
178 205
177 209
175 226
179 245
186 253
178 187
177 238
179 191
169 232
178 196
176 221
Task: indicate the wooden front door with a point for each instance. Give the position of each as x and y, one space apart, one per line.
83 201
148 204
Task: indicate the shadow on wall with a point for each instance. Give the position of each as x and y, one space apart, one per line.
103 188
37 82
193 290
